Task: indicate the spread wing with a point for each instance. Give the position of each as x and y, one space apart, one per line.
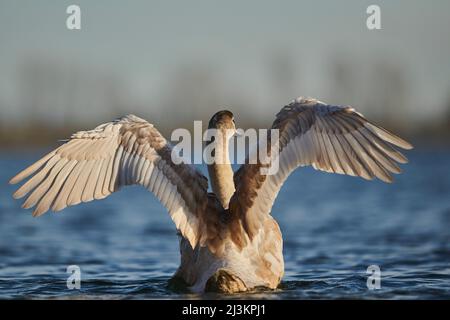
330 138
93 164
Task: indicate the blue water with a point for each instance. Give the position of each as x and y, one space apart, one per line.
334 227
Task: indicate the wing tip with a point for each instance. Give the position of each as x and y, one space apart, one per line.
38 212
388 181
16 179
407 145
16 195
402 143
389 136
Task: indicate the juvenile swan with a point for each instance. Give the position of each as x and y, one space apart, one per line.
229 240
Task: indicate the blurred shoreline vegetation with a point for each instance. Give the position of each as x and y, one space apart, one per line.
59 98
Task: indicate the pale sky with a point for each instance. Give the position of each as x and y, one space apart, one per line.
143 44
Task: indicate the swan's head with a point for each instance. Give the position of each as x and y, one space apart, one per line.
223 121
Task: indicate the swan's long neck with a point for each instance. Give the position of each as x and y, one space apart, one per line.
221 173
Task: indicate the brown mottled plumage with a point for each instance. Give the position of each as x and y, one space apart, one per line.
330 138
229 240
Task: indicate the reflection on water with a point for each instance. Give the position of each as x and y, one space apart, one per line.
334 227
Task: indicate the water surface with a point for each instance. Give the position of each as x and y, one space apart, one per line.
333 226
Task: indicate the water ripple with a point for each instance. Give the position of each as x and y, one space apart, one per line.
334 227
